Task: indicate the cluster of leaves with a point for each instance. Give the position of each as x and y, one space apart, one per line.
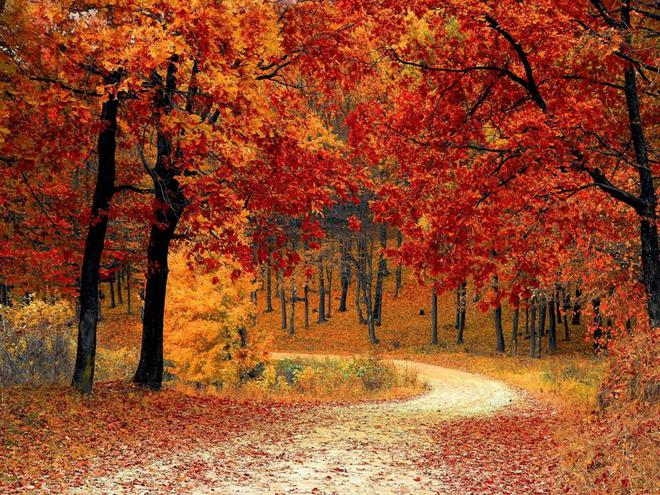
210 337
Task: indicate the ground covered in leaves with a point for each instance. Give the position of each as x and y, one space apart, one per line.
467 434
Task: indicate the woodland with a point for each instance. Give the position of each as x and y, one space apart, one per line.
329 246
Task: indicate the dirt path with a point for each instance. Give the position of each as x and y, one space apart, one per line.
372 448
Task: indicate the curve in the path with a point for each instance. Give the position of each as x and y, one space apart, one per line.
368 448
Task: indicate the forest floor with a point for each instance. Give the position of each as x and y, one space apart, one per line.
467 434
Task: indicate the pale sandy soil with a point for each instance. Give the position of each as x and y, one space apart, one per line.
369 448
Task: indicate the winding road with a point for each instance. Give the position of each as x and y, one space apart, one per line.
368 448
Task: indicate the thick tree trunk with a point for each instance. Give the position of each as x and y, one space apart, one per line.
172 201
83 374
434 317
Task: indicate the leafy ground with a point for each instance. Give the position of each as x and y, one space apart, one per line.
468 434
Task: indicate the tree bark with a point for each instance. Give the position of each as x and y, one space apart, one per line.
532 328
169 195
514 332
128 288
321 318
120 296
292 315
83 373
283 302
434 317
328 270
111 285
269 286
345 275
378 298
399 268
552 325
499 332
306 300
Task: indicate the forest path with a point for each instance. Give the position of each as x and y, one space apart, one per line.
367 448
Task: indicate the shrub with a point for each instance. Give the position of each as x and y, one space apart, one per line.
36 343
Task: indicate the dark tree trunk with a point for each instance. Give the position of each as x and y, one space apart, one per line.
345 274
283 302
499 332
577 310
434 317
292 315
541 327
461 307
328 308
269 286
458 307
399 268
242 333
526 323
378 298
598 320
120 296
358 297
532 329
111 285
552 325
83 373
514 332
128 289
306 300
321 317
172 201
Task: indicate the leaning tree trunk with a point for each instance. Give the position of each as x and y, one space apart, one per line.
172 202
83 373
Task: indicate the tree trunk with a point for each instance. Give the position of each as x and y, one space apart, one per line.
328 271
292 315
306 305
532 329
566 305
552 325
378 299
434 317
499 332
111 285
514 332
358 292
283 302
575 320
345 274
128 288
120 296
172 202
399 268
461 306
269 286
83 373
321 317
541 328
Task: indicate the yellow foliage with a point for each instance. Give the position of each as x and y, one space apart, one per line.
204 314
